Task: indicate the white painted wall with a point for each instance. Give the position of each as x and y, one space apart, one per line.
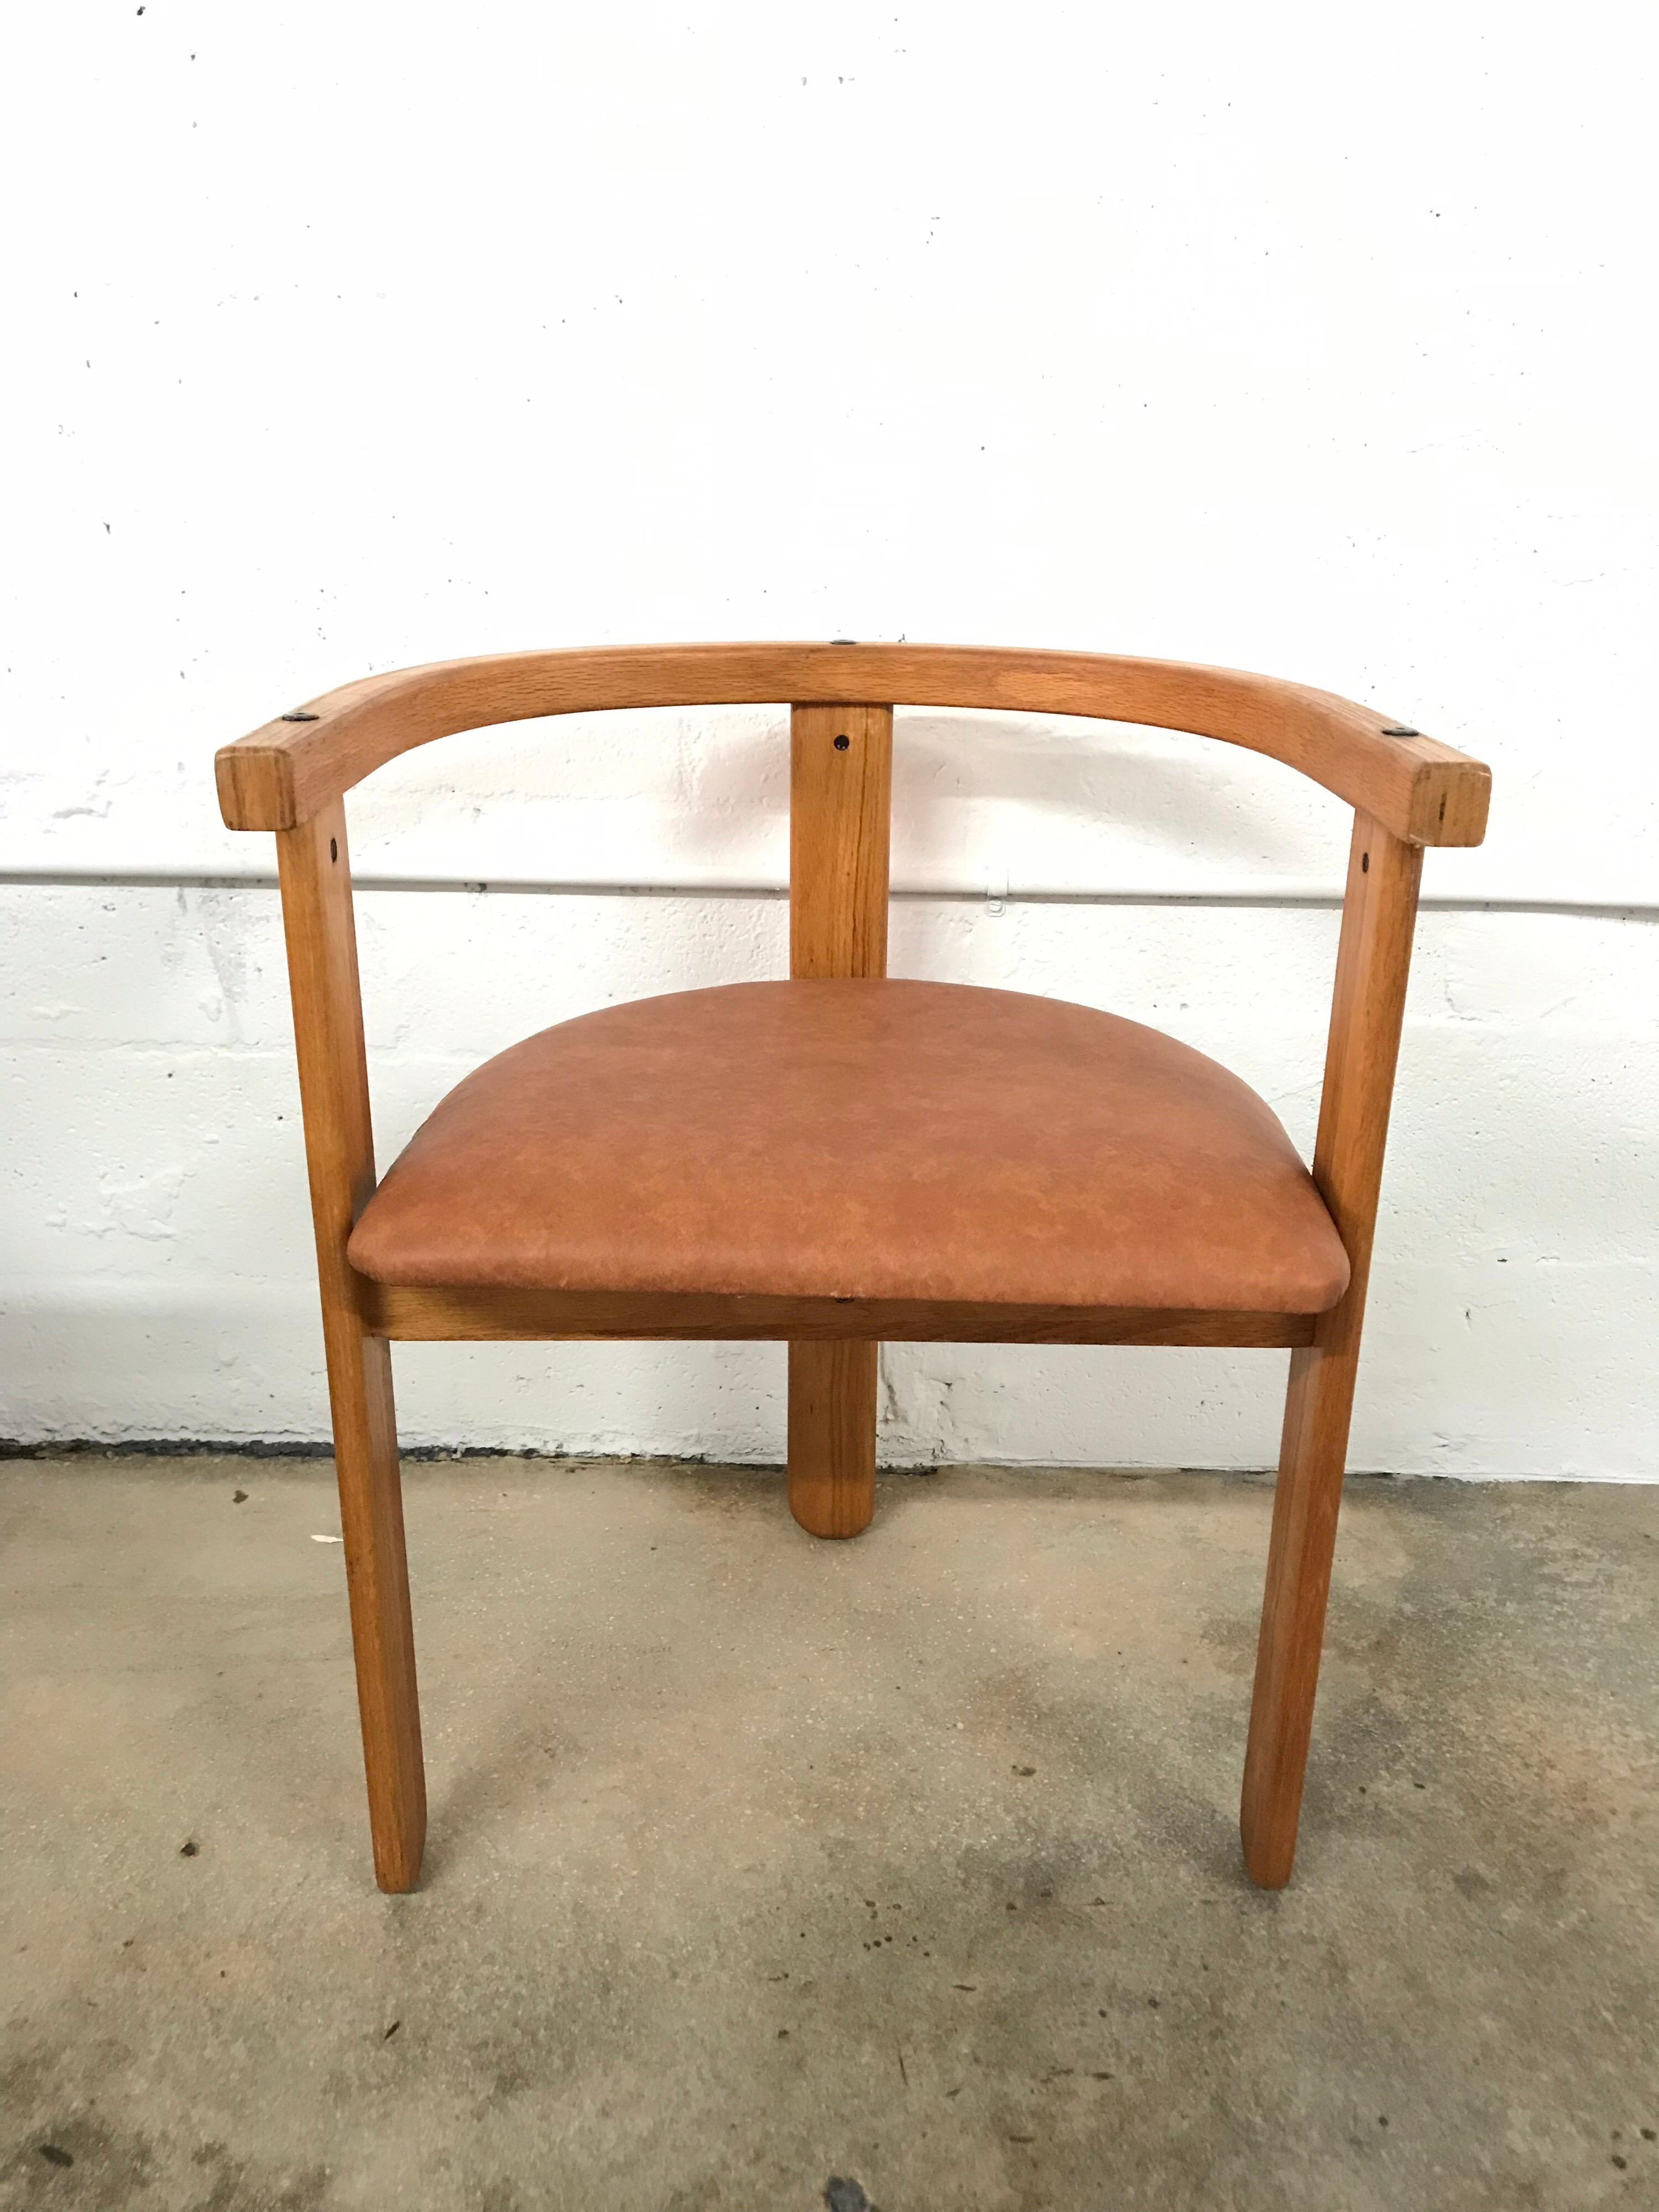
341 338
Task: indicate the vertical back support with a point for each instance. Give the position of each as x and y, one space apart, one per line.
1379 916
841 765
328 1033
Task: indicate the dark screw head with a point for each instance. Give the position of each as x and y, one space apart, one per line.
1400 730
1364 864
841 744
333 848
298 715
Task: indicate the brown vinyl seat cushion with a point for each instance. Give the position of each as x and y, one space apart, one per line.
869 1139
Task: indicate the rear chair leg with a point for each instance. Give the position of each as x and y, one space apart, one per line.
1305 1504
377 1582
832 1435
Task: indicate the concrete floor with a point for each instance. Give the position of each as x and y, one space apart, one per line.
756 1861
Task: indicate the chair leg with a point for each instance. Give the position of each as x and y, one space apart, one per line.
377 1582
1306 1500
832 1437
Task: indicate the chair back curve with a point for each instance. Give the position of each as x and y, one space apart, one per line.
284 773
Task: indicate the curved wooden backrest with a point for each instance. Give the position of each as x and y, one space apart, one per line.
1421 790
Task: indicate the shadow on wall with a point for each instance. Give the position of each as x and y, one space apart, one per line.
716 786
1117 776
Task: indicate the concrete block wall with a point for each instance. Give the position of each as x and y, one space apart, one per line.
356 341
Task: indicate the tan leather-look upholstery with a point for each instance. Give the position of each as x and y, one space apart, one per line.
868 1140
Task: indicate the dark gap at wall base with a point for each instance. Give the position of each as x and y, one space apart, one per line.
18 1447
291 1448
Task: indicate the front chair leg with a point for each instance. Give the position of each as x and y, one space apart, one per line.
832 1435
1379 909
1306 1500
377 1582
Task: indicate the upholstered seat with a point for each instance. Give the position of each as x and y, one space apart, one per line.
859 1138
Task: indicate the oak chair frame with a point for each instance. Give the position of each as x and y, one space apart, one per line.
1406 790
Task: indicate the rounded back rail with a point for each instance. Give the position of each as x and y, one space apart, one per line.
285 772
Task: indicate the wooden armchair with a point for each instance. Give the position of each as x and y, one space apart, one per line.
839 1158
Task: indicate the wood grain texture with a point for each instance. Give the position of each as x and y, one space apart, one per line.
841 782
1420 789
832 1435
1367 1008
328 1033
409 1315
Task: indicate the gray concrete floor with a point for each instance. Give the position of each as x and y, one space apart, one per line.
756 1860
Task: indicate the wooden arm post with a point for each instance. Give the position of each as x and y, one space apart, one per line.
1379 915
328 1031
840 800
